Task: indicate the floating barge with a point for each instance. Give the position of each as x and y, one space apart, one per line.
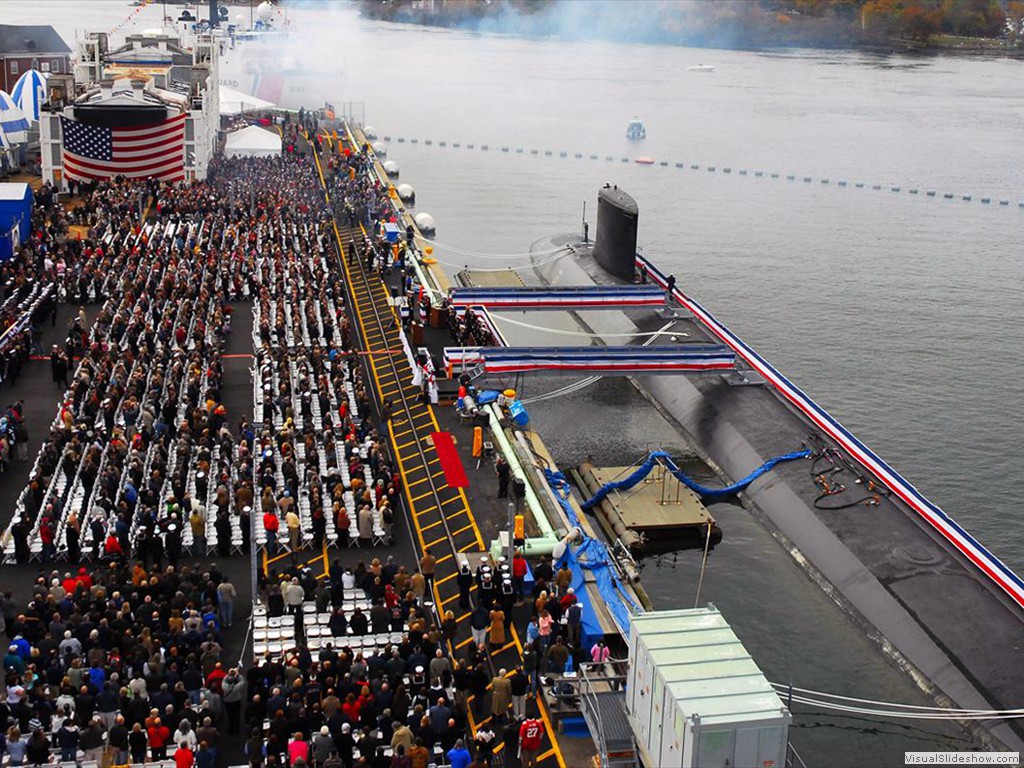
660 509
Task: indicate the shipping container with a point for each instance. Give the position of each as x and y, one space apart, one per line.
696 698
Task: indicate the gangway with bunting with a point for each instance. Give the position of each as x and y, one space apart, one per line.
607 361
539 298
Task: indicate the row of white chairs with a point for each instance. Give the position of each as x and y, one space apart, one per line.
267 382
59 485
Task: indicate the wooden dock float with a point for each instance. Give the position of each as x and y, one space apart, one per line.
657 506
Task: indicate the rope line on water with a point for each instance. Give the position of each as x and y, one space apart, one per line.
723 169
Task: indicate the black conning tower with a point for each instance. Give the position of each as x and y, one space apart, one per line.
615 246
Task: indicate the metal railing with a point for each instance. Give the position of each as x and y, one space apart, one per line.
592 680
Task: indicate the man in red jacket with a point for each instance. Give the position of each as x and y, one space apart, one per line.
519 570
213 680
159 735
531 733
270 525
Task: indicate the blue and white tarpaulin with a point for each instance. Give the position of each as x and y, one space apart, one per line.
560 298
931 513
623 361
29 93
12 120
592 555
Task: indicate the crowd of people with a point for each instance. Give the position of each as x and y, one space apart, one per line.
323 473
28 300
143 414
140 459
118 664
406 703
125 662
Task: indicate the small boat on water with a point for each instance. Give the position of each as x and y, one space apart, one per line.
702 68
635 130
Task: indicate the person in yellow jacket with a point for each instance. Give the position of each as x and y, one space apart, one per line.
291 520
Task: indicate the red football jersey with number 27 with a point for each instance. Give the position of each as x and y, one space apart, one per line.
530 733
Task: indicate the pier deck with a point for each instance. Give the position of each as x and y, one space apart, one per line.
446 516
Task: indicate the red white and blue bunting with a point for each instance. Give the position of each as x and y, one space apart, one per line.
622 361
560 298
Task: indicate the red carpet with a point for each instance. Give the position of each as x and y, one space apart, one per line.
454 474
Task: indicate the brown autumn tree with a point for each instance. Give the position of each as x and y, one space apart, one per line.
919 22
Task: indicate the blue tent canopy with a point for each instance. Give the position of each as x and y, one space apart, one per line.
13 120
15 217
29 93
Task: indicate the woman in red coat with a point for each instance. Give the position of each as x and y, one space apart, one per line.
46 536
112 547
159 735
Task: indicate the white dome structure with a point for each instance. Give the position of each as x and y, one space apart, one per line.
406 193
425 222
264 12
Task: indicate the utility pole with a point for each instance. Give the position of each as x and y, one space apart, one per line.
511 525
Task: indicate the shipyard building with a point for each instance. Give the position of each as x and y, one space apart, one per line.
150 80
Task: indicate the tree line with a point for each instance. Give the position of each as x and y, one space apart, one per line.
723 23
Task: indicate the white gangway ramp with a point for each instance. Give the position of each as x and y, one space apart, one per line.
695 697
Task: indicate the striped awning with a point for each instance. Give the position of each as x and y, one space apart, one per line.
29 93
622 361
12 120
563 298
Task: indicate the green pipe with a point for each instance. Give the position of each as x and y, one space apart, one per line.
517 471
535 547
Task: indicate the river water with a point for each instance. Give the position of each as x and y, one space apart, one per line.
899 313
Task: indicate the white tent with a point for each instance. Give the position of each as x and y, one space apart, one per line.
253 142
234 102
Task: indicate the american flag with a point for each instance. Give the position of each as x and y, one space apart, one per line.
94 152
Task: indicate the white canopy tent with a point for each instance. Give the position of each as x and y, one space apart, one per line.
234 102
253 142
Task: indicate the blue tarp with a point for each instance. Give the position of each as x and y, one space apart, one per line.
487 396
662 457
15 216
593 556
